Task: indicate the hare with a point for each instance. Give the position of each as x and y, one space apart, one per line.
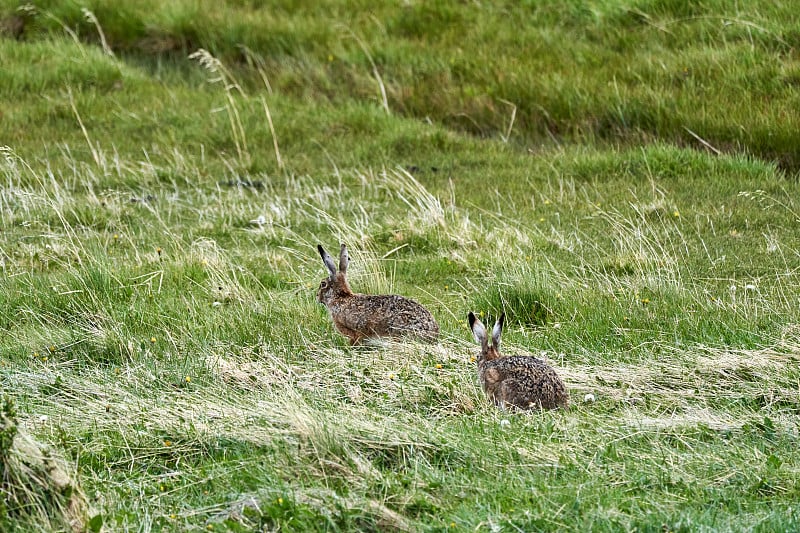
363 316
520 381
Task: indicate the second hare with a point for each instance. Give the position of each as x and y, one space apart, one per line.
363 316
520 381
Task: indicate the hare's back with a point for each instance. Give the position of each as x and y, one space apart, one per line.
527 381
389 314
520 364
533 394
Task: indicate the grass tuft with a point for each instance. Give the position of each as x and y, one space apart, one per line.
39 489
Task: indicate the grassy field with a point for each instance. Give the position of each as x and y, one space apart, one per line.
619 177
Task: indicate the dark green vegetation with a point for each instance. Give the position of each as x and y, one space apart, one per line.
619 177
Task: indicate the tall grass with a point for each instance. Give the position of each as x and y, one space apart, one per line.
158 322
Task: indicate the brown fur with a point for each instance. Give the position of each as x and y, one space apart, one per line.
363 316
519 381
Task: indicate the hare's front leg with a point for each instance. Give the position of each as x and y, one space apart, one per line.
352 335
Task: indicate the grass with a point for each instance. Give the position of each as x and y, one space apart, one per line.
625 190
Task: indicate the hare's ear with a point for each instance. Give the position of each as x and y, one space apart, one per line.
478 329
328 260
497 330
344 259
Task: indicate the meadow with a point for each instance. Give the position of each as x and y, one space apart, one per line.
619 177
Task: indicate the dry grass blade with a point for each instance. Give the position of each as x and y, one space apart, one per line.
221 74
375 71
90 17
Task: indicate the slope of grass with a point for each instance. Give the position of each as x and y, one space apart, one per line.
158 324
605 71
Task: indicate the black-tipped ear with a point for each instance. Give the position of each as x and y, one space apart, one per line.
344 259
478 330
328 260
497 330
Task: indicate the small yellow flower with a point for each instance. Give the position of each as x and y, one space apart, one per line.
44 359
116 236
188 379
645 300
167 443
330 58
173 517
280 501
472 359
445 287
36 354
541 219
52 348
159 250
204 262
391 376
210 527
547 202
161 488
153 340
438 365
676 214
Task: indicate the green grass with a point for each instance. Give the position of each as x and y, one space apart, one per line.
620 178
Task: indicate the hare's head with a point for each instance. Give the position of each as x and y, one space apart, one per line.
488 351
335 285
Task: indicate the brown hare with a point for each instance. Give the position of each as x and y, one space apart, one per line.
519 381
364 316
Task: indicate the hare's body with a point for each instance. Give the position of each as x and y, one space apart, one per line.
524 382
519 381
363 316
360 316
